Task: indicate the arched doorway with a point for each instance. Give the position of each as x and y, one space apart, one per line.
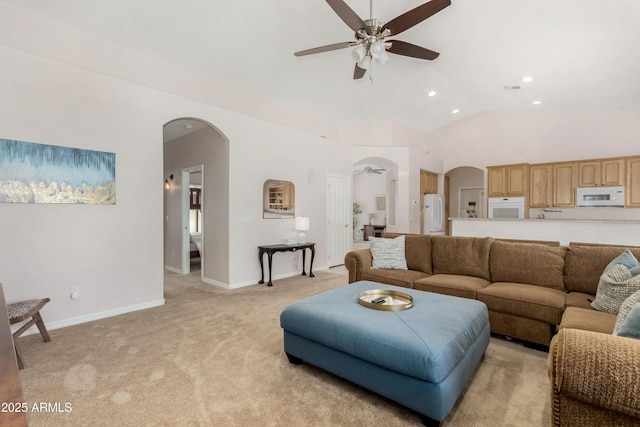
196 199
466 192
375 188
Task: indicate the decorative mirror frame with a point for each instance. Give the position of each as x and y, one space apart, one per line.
380 202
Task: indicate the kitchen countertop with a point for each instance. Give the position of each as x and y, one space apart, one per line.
563 230
616 221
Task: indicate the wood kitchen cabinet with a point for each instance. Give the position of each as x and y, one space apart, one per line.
508 180
565 177
595 173
428 182
541 185
633 182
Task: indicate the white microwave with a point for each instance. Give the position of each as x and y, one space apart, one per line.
600 196
506 207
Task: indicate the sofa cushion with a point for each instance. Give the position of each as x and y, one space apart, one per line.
625 308
588 319
630 328
388 253
616 285
579 299
417 250
527 263
404 278
466 256
452 284
530 301
583 265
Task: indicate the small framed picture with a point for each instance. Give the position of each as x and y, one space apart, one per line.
380 202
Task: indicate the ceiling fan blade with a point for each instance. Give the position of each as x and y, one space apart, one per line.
358 72
415 16
407 49
326 48
347 14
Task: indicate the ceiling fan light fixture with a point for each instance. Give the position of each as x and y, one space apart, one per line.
365 63
382 58
359 53
377 50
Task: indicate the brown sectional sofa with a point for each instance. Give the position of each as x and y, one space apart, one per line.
520 282
533 290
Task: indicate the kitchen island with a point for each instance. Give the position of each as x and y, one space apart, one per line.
614 232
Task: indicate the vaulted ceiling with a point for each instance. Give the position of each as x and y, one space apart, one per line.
580 54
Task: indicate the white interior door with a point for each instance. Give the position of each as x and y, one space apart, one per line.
339 214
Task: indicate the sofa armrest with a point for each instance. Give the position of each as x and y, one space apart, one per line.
357 262
596 369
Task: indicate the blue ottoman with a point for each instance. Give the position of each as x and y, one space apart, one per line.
421 358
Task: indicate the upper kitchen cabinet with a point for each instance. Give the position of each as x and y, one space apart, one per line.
633 182
595 173
508 180
565 176
541 186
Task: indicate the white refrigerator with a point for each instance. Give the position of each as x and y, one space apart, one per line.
433 214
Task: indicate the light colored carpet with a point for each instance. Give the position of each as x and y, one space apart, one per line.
211 357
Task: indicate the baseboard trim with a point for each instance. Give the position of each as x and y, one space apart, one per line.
95 316
280 276
173 269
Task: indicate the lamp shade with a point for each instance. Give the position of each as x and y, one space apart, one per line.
302 223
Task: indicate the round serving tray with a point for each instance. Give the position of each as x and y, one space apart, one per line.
385 300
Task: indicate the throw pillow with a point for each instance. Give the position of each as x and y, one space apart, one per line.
625 308
631 326
616 285
626 258
635 270
388 253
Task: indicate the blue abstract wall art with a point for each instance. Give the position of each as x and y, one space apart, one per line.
40 173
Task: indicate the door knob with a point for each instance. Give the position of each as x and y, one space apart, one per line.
346 225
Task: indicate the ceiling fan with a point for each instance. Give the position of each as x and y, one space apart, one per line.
369 169
371 35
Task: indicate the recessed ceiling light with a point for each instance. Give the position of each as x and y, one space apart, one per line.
432 93
527 79
188 126
537 102
455 111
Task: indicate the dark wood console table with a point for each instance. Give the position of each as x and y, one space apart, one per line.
373 231
271 249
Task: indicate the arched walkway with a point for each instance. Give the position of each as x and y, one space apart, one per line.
196 155
374 189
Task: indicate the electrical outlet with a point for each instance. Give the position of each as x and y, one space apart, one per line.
75 293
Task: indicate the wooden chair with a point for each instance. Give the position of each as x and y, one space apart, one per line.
23 310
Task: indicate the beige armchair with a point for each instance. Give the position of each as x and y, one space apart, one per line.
595 379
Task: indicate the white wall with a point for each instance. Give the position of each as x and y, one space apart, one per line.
114 253
261 151
500 137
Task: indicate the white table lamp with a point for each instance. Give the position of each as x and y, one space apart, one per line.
302 225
